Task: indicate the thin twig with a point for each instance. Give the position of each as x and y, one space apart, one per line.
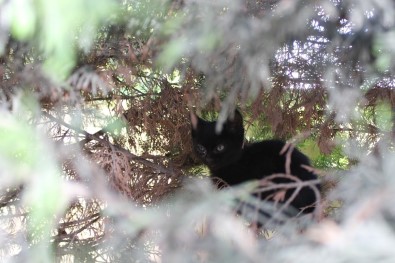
106 143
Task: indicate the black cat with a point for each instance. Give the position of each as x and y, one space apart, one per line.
233 162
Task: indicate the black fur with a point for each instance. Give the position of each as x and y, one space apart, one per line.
233 162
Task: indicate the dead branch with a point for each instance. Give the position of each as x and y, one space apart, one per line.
106 143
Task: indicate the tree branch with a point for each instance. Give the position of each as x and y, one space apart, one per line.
106 143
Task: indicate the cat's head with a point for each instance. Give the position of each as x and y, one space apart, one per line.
218 149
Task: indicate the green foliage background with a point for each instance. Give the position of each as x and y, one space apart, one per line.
96 161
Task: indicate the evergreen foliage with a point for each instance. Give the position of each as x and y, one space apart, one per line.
96 161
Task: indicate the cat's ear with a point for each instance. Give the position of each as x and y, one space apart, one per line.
235 122
194 121
238 118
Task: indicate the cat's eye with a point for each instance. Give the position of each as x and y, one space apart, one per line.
220 148
201 150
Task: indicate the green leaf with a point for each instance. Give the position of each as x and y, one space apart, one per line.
383 116
310 148
209 41
173 52
23 19
18 148
30 161
59 28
